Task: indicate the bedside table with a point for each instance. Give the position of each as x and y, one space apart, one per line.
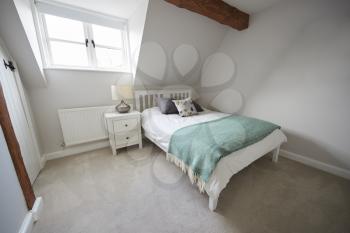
124 129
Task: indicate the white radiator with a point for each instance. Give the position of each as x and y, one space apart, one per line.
82 125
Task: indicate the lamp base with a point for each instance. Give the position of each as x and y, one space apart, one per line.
122 107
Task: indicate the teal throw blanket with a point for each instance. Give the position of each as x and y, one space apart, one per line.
198 148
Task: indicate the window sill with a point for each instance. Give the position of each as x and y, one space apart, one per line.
88 69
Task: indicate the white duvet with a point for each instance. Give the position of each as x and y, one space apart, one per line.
159 127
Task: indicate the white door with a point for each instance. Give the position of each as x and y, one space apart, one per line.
13 92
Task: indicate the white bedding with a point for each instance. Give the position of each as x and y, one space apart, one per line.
159 127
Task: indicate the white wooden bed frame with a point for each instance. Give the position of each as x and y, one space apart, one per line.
147 99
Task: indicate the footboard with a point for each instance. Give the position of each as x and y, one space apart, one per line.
213 200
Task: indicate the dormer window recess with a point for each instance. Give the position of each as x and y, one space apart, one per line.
77 38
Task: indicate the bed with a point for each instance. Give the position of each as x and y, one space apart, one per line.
159 128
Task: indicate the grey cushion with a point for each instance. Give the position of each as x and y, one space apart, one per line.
167 106
197 106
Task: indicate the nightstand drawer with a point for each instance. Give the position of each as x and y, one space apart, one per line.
127 138
124 129
125 125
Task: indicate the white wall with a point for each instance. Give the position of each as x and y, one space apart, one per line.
171 27
69 89
136 24
293 68
17 31
24 9
13 207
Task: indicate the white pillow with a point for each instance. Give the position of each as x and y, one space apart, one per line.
185 107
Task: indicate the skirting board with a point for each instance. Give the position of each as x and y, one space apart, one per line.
27 224
37 208
32 216
76 150
316 164
42 162
287 154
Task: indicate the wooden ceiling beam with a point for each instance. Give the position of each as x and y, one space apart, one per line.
216 10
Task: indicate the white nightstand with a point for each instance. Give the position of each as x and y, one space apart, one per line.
124 129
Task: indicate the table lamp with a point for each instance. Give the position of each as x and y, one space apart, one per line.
122 92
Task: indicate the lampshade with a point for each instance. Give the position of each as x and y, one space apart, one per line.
120 92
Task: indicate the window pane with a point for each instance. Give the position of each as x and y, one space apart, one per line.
109 58
68 54
65 29
107 36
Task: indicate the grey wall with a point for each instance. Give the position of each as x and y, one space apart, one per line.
136 24
13 207
292 66
165 23
69 89
171 26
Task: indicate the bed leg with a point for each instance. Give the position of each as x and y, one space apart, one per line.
275 154
213 202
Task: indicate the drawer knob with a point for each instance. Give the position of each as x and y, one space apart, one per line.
126 125
127 138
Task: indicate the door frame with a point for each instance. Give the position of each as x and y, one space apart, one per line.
15 152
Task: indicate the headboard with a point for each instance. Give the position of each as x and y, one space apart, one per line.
147 98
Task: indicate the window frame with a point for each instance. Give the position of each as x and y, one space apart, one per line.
49 58
125 67
123 49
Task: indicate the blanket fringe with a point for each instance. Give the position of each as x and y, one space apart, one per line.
194 178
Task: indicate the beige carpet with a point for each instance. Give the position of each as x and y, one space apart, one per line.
139 191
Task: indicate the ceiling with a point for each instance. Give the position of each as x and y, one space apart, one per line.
119 8
125 8
251 6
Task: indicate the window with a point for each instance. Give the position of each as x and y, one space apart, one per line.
108 44
74 43
66 42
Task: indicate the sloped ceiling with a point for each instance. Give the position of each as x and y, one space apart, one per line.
252 6
21 42
125 8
